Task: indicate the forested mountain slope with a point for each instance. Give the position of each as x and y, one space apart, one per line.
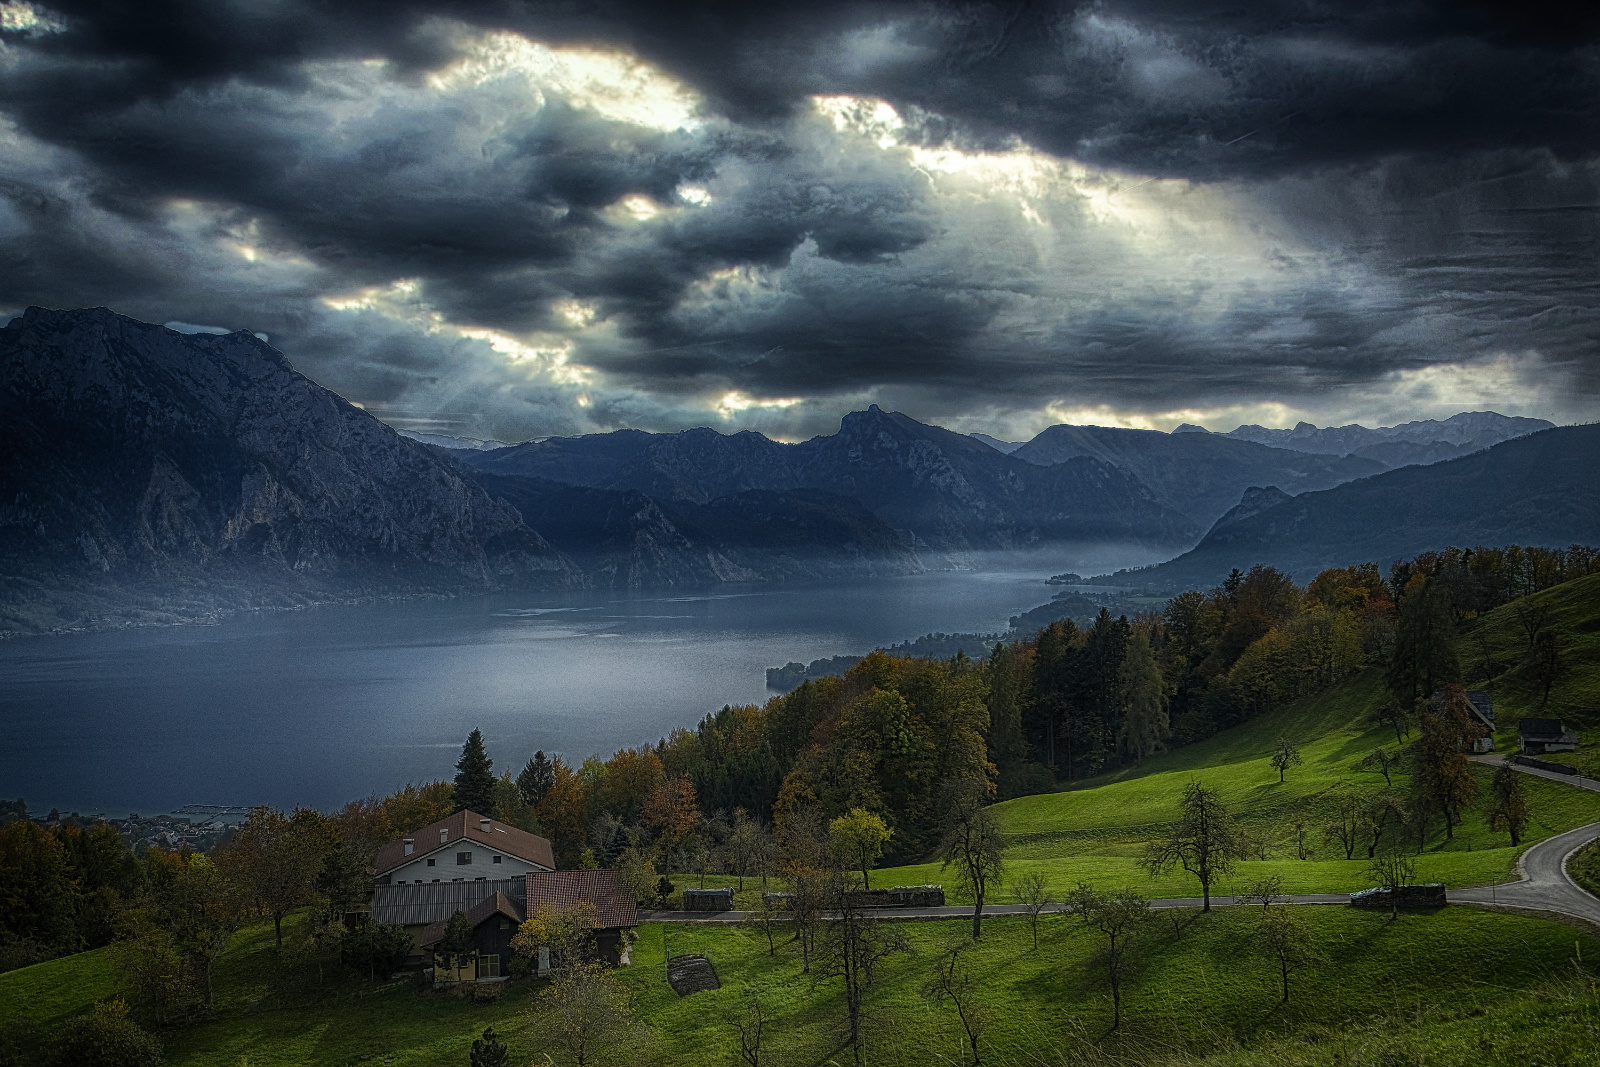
1534 490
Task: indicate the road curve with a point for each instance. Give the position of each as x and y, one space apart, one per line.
1542 885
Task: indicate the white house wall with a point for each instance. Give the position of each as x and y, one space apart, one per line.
447 870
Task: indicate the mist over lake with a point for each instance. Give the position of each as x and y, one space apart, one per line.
322 706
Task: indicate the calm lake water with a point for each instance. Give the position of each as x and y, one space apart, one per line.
318 707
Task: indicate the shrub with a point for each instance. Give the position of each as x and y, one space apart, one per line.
378 948
106 1038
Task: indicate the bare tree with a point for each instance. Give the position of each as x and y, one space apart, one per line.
1381 760
1532 617
1118 917
850 946
1384 810
1285 754
1394 869
1398 715
1206 842
952 980
972 842
1302 838
586 1014
765 919
1345 826
1263 891
1285 939
751 1025
1032 891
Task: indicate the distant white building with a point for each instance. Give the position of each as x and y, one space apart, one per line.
464 847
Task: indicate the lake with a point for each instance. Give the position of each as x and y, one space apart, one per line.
321 706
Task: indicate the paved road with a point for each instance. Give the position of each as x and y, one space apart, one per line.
1542 883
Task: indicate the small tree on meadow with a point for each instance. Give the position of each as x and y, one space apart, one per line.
1345 827
1033 893
857 838
850 947
766 919
1285 940
972 842
489 1051
1382 761
953 981
587 1015
1509 809
751 1026
1206 842
1118 917
1394 869
1384 811
1285 755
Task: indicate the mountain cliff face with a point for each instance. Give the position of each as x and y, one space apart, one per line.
1534 490
138 456
1198 474
941 491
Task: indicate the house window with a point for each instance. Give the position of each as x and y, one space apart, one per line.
488 966
463 858
497 859
430 863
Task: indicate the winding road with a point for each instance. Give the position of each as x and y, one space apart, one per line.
1542 883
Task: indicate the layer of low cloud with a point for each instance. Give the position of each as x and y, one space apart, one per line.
504 223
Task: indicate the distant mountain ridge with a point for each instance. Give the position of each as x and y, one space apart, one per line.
1427 441
942 491
1540 489
1198 474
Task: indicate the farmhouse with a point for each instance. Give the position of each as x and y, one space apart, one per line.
1546 735
495 917
463 847
1481 707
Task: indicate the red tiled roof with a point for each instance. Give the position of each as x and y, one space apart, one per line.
613 902
466 825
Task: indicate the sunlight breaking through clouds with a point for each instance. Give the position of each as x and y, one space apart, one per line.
614 85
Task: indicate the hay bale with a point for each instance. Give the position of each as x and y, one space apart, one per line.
691 973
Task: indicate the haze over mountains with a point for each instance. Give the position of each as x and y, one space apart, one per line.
153 474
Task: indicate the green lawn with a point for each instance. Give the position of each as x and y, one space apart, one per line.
1204 991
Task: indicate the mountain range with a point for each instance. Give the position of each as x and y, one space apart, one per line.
151 474
1540 489
1427 441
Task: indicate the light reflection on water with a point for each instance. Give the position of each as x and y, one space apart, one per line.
321 706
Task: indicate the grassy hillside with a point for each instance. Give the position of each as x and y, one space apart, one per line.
1493 653
1205 991
1096 831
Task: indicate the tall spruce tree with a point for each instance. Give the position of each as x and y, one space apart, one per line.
1144 700
475 778
536 779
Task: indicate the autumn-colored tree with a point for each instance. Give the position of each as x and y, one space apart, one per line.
1443 772
632 776
566 930
275 859
1509 811
564 813
670 811
858 837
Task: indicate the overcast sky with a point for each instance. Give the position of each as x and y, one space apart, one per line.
513 219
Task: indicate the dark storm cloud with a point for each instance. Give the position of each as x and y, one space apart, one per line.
1424 174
